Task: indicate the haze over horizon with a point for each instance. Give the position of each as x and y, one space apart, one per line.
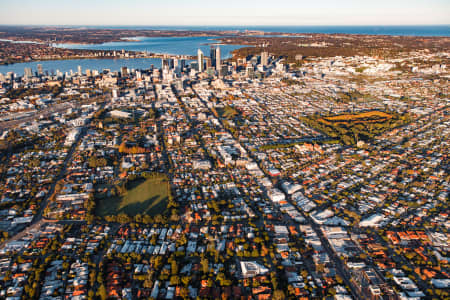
231 13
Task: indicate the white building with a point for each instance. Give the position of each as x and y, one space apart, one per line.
372 221
72 136
275 195
251 269
201 164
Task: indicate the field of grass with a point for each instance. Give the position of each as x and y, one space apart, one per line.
142 196
351 128
227 112
365 117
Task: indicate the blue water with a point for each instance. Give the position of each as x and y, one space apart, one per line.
169 45
189 45
72 64
412 30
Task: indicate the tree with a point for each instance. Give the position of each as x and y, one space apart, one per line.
148 283
101 292
205 265
184 293
147 219
181 241
274 280
123 218
255 253
279 295
185 280
157 262
138 218
95 162
92 276
174 280
174 267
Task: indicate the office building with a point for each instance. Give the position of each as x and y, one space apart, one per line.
215 57
28 72
208 63
212 55
264 58
218 63
164 64
40 70
124 71
168 63
182 63
200 57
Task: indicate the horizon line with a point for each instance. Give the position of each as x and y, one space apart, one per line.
224 25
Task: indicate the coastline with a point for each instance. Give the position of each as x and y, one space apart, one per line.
98 35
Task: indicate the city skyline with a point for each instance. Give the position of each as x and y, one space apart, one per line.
234 13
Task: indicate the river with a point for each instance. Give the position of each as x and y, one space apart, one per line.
169 45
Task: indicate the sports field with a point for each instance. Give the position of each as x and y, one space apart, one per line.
365 117
142 196
351 128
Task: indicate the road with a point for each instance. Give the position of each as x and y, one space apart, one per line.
335 259
55 108
38 218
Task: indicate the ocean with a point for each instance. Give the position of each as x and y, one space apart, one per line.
406 30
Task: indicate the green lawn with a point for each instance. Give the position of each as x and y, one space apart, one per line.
142 196
351 128
227 112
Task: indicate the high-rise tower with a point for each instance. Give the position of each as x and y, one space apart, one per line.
28 72
200 60
264 58
212 55
40 70
218 63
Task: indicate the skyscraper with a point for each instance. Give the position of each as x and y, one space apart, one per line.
124 71
215 57
165 63
200 60
182 63
40 70
217 62
28 72
207 63
264 58
212 55
168 63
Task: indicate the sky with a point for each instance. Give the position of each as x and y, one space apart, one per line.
228 12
